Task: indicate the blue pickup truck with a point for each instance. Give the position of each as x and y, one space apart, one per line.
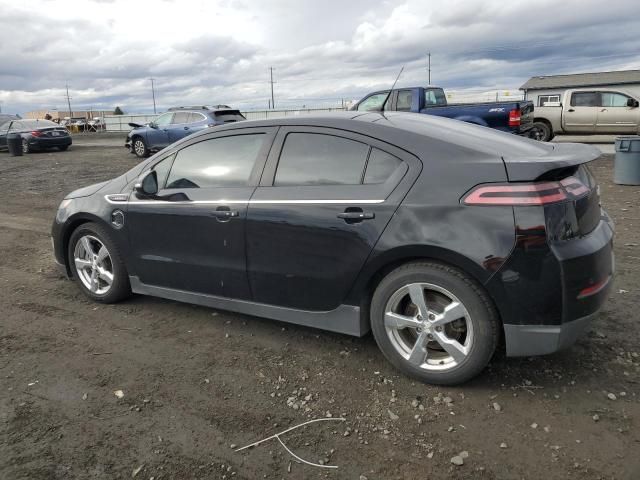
513 117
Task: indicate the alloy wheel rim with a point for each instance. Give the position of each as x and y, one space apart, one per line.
93 264
139 147
428 326
25 146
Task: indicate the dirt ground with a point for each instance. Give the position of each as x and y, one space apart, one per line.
198 382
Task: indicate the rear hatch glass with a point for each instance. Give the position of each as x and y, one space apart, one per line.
228 117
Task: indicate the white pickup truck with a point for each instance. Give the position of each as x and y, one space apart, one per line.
588 111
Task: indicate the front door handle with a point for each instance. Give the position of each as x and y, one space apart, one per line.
571 110
186 128
224 214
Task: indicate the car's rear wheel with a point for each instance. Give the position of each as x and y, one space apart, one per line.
97 265
544 133
25 146
434 323
140 148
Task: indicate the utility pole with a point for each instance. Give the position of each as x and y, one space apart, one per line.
153 94
273 104
69 102
429 66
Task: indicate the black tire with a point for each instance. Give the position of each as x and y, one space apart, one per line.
120 287
63 148
545 134
26 148
139 147
482 315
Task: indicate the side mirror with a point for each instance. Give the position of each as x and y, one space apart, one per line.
153 125
148 186
633 103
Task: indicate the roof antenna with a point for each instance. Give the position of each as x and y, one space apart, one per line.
389 94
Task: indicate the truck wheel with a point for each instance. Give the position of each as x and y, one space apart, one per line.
434 323
544 131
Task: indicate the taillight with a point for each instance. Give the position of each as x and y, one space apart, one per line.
514 118
36 133
537 193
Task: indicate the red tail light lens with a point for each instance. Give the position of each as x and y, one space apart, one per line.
537 193
514 118
36 133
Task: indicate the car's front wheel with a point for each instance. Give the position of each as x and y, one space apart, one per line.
140 148
434 323
97 265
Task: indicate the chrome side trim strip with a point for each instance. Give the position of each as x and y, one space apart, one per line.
248 202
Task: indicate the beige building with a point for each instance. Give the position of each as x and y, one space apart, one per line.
61 114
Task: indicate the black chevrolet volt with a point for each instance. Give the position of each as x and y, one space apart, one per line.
444 239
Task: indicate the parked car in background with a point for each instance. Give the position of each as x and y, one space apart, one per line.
587 111
176 124
4 118
36 135
513 116
440 236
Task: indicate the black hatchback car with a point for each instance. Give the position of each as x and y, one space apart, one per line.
441 237
36 135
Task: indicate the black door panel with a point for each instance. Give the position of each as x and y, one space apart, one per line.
306 244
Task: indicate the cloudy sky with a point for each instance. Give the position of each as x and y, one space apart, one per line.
220 51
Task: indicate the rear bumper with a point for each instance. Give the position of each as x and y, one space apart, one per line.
549 292
529 340
43 143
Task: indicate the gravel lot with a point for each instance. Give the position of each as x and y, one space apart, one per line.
197 381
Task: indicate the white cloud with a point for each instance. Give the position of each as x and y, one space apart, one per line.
204 51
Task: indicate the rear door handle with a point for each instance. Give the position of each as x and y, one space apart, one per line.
357 215
571 110
224 214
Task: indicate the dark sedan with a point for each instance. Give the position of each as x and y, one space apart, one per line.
36 135
441 237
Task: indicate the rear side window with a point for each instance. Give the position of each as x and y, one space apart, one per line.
218 162
195 117
585 99
180 117
319 159
405 98
380 166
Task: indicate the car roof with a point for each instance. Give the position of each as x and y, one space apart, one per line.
413 131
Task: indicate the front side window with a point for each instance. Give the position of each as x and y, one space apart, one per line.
374 102
320 159
180 117
164 119
405 97
162 169
218 162
611 99
585 99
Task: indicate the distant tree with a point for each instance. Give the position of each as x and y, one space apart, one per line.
118 111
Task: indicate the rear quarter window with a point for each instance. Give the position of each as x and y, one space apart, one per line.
381 166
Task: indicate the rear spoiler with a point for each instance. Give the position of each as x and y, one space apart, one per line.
563 156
